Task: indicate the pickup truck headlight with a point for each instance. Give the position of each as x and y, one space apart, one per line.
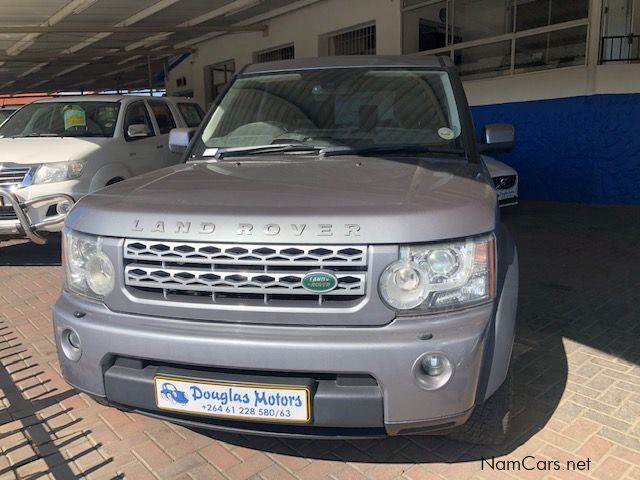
88 271
58 172
440 276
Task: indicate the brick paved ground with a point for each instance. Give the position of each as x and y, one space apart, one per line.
577 379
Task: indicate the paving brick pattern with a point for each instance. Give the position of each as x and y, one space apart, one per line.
577 380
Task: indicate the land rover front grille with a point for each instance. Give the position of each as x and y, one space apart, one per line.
230 273
12 175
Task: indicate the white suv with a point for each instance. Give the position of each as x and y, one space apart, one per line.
55 151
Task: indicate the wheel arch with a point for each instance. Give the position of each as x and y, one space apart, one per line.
107 174
501 335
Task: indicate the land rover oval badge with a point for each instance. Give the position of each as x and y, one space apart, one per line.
319 282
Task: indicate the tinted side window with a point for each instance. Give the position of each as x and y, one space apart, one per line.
163 115
192 114
137 114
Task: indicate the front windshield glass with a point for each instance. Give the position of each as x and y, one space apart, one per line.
64 119
341 107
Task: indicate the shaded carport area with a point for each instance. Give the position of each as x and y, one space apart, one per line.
92 46
576 357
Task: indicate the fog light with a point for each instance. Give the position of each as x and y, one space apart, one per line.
71 345
63 208
433 365
74 340
433 371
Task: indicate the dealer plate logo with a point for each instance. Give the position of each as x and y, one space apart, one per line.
171 393
319 282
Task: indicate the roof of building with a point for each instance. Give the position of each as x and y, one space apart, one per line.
93 45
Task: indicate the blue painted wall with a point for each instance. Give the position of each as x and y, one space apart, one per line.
579 149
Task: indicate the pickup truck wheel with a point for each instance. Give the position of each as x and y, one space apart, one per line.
489 422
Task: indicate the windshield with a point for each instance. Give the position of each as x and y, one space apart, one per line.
65 119
342 107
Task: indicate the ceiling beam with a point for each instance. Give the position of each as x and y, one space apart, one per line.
29 39
135 18
272 13
69 61
130 29
231 8
56 57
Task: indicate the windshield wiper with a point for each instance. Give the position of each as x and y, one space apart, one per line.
35 135
83 134
331 151
265 150
392 149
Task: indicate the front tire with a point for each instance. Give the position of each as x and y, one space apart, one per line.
489 422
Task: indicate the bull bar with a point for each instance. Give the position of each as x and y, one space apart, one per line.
24 225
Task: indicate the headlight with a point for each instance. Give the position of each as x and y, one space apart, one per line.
440 276
88 271
58 172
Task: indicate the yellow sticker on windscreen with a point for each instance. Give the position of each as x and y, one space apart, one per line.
74 116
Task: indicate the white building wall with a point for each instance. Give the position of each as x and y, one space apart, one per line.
303 27
571 82
558 83
184 69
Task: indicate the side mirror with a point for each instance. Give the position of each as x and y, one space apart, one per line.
179 139
138 130
498 137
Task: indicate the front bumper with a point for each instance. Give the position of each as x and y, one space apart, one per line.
508 201
30 215
508 196
390 355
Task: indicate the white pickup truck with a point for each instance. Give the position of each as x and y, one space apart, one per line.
55 151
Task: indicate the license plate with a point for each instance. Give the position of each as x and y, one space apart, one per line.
505 195
233 400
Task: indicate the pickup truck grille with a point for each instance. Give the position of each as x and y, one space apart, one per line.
230 273
7 213
12 175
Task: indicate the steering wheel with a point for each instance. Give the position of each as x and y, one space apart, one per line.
267 129
91 124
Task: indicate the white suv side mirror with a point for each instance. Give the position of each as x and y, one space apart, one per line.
179 139
138 130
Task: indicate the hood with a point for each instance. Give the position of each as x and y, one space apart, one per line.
36 150
334 200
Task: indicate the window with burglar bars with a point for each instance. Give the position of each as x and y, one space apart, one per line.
360 41
281 53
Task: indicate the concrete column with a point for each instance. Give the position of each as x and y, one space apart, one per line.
389 29
593 44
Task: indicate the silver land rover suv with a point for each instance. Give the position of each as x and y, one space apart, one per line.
328 261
